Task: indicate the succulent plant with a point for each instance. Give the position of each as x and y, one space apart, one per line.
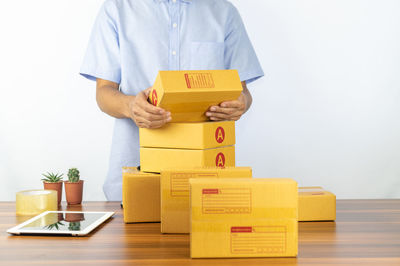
54 226
52 178
73 175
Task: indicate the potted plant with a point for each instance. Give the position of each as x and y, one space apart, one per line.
73 187
53 182
54 226
74 217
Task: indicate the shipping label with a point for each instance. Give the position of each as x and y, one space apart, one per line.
226 200
179 182
258 239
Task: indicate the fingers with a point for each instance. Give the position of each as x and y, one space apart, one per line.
227 111
236 118
232 104
149 108
219 116
233 118
231 110
147 92
139 111
216 119
145 123
147 115
145 105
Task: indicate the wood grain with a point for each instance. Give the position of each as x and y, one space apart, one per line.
367 232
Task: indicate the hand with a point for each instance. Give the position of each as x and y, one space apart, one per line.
230 110
146 115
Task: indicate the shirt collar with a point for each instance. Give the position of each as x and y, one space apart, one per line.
185 1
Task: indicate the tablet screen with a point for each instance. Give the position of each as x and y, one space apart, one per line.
62 221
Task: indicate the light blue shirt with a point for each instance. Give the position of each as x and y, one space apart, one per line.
133 39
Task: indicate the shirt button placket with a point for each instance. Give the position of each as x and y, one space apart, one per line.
174 34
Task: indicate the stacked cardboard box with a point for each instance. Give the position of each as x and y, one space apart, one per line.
187 145
316 204
243 217
140 196
227 213
188 95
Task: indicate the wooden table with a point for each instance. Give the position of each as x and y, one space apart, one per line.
367 232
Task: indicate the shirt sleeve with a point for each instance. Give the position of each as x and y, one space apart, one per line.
239 52
102 58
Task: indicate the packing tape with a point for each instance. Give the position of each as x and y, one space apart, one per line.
33 202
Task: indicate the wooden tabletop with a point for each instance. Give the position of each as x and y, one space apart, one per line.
366 232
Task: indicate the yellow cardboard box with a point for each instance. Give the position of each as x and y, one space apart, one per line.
316 204
203 135
140 196
157 159
175 205
189 94
243 217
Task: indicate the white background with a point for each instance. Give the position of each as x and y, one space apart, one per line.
327 113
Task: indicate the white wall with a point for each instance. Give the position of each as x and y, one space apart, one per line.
327 113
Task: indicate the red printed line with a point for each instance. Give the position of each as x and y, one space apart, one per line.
210 191
187 81
241 229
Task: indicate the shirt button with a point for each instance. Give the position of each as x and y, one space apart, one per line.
174 25
173 52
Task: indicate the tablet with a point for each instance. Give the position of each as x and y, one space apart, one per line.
61 223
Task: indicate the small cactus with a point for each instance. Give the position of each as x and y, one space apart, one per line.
74 226
73 175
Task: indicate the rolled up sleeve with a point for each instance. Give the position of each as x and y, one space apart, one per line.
102 58
239 52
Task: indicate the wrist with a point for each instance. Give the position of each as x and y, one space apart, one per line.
247 100
128 104
243 100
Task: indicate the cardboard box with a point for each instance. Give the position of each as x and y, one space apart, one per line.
203 135
189 94
316 204
140 196
175 205
158 159
243 217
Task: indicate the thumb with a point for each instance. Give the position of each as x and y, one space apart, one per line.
147 91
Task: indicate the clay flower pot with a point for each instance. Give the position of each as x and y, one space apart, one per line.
73 192
74 217
57 186
60 217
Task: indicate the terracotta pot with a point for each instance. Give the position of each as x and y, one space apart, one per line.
55 186
74 217
73 192
60 217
